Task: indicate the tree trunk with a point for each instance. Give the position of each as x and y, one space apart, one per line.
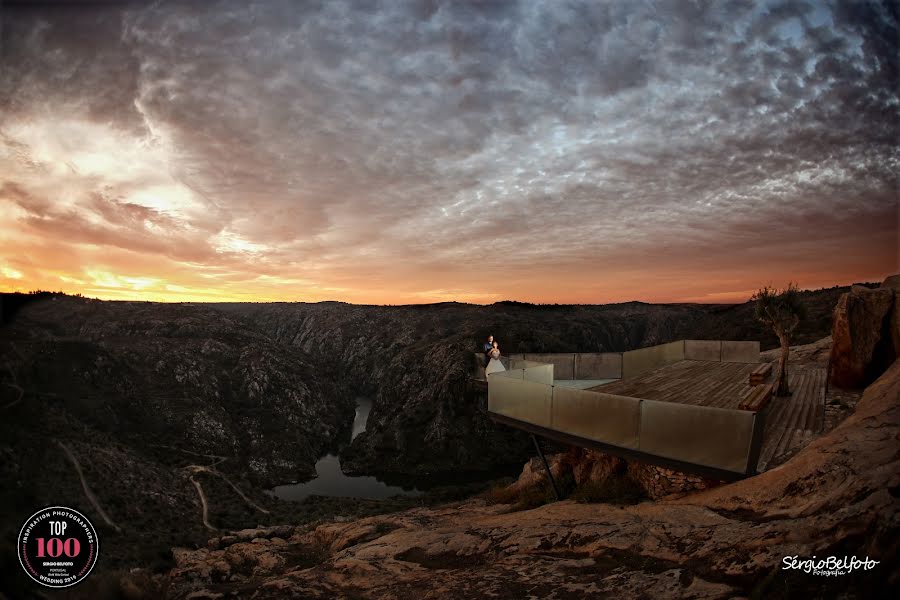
781 381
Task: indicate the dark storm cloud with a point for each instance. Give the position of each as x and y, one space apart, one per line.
359 139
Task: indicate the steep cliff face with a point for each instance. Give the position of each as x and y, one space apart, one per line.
189 377
837 497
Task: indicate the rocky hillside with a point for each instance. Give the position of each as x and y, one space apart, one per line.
169 374
154 402
837 497
144 400
271 385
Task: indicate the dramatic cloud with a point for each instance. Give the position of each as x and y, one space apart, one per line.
426 151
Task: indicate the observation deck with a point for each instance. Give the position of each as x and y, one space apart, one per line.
681 405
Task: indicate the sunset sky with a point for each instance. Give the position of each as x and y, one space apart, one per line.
408 152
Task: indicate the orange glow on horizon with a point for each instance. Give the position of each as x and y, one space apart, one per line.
165 286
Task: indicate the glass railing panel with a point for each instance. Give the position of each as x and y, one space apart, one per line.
527 401
563 363
598 365
740 352
521 363
510 373
702 435
709 350
540 374
604 418
635 362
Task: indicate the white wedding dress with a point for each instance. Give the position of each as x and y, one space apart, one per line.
494 365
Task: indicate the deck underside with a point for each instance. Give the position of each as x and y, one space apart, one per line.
625 453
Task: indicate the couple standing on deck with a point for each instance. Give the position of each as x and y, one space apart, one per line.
492 354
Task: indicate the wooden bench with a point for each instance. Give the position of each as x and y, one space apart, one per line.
757 399
760 374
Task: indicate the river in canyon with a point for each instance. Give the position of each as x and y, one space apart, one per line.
331 481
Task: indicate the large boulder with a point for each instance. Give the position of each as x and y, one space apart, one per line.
865 334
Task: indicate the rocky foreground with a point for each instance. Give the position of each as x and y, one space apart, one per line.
838 496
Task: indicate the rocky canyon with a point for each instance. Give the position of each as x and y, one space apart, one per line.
177 417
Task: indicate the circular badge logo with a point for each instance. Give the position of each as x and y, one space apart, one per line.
58 546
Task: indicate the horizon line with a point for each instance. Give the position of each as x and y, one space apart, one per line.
507 301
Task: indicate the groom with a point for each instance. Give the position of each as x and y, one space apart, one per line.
488 345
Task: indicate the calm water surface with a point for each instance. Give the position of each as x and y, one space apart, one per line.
331 481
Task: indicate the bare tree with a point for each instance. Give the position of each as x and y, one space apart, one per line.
782 310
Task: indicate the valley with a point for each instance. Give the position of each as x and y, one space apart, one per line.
172 407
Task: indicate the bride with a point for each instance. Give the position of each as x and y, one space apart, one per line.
494 365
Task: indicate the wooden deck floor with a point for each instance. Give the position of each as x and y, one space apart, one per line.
791 422
794 421
719 384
